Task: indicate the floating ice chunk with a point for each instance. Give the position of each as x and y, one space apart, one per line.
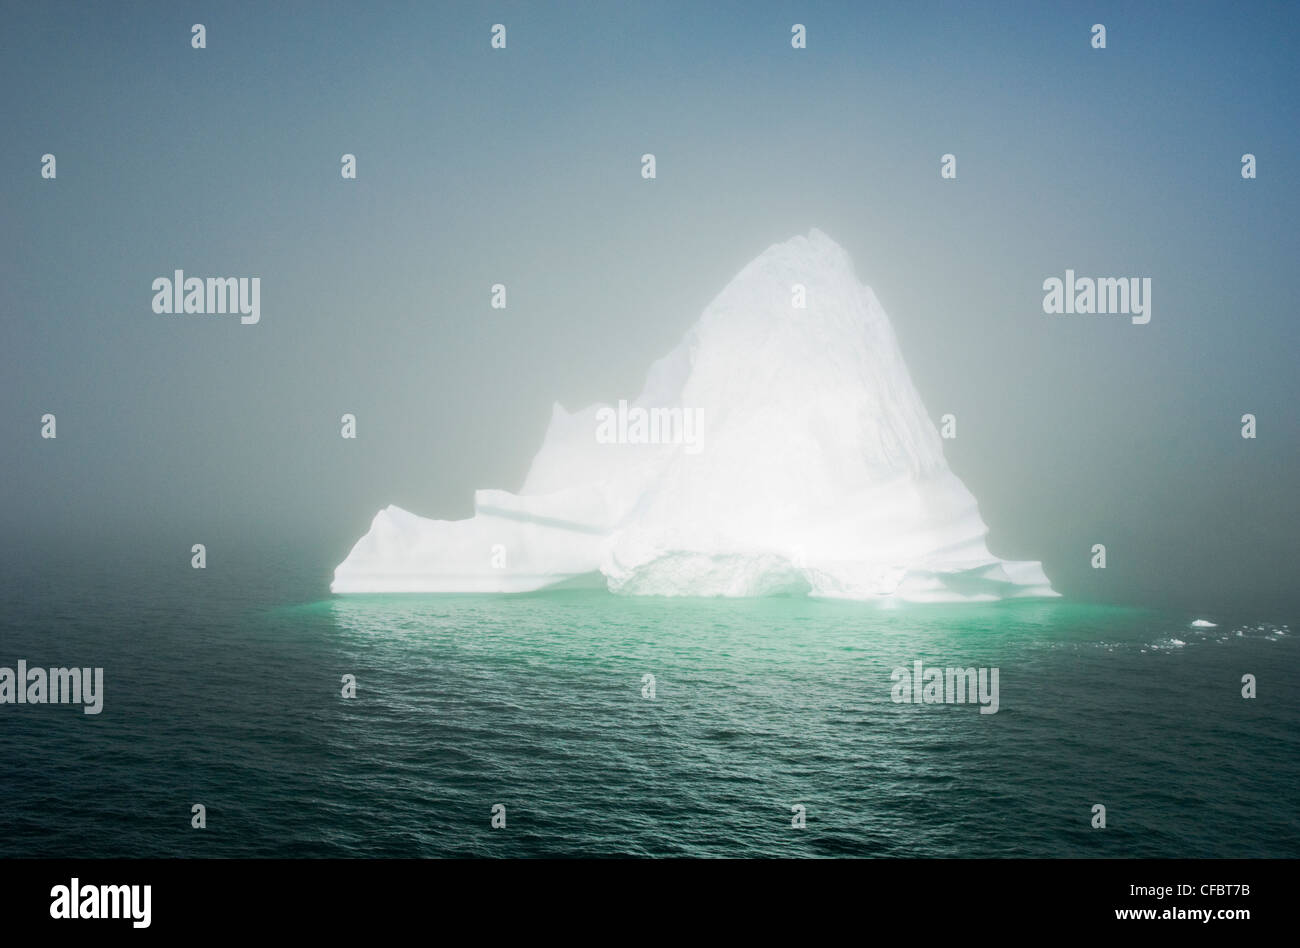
777 450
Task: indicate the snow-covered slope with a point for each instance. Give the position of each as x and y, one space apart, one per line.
777 449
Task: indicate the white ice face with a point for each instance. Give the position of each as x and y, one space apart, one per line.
778 449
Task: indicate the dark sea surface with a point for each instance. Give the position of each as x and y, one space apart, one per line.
222 687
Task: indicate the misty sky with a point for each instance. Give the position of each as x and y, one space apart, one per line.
521 166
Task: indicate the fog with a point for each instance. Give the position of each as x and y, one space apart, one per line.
522 166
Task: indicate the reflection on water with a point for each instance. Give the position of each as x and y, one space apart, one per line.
539 702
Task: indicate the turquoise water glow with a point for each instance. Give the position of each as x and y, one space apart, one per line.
535 702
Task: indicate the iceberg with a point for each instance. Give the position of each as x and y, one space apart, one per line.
779 449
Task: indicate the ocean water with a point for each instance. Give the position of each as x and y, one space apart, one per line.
222 687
